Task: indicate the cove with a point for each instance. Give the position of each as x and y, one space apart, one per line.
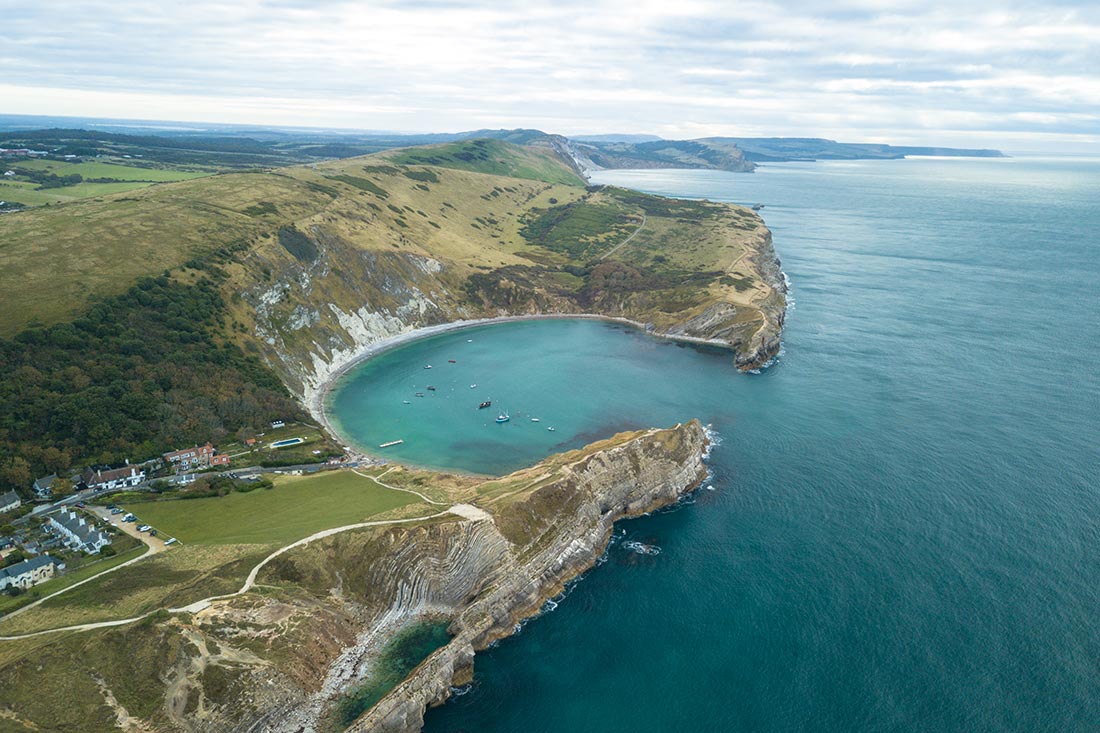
904 526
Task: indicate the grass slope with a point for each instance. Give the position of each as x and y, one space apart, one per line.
298 506
491 156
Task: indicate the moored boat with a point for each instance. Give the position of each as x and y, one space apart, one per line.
503 417
486 403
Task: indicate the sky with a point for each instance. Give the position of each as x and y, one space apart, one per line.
1017 76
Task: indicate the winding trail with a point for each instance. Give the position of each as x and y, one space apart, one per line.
466 511
397 488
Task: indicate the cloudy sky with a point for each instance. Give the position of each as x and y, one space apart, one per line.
1020 76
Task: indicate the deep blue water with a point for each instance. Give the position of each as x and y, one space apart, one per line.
904 531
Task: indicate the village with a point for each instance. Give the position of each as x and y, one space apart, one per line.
63 526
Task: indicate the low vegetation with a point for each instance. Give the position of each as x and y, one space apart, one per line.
296 506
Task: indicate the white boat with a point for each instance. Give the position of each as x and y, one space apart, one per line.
535 419
473 386
550 429
427 366
391 443
503 417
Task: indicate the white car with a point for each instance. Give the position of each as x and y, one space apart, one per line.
144 528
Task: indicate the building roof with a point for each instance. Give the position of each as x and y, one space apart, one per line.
73 522
14 571
45 482
10 498
113 474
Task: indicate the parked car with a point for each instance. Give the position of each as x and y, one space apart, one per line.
80 505
129 518
144 528
171 541
153 533
116 510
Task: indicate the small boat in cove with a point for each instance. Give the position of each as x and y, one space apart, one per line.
451 361
535 419
550 429
427 366
431 388
486 403
503 417
391 443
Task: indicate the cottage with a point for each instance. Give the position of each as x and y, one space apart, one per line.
43 487
189 459
29 572
219 460
9 502
77 533
115 478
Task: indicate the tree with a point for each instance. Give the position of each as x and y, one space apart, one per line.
62 487
17 473
55 460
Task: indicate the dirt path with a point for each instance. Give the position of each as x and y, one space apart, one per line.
623 243
463 510
397 488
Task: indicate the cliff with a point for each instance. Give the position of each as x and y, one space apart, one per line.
533 552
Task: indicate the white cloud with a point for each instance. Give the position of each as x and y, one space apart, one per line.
862 69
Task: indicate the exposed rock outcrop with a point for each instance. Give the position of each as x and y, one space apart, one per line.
540 542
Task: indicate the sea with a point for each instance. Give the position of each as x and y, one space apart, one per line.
901 530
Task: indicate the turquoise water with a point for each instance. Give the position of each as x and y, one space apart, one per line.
904 531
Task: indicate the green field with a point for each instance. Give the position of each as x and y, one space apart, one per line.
297 507
102 169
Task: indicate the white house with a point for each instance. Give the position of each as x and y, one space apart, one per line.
116 478
77 532
43 487
9 501
29 572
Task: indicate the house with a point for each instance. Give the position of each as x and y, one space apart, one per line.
278 424
29 572
77 533
9 174
43 487
250 442
115 478
189 459
219 460
9 502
